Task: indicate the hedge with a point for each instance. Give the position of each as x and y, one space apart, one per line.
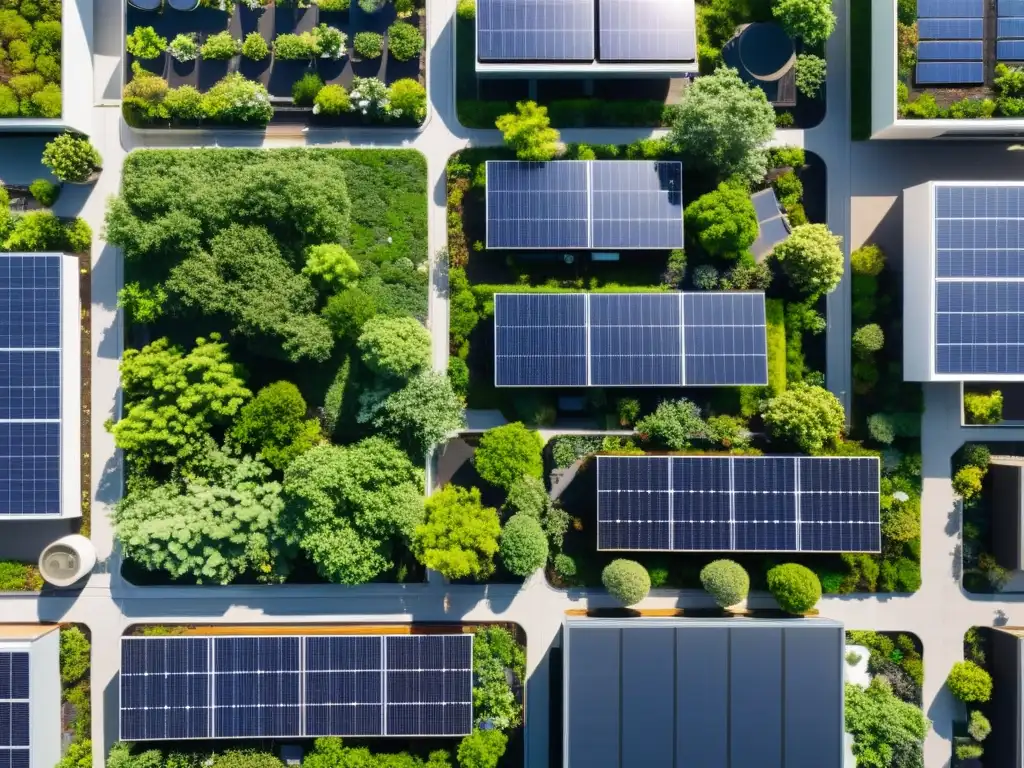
775 313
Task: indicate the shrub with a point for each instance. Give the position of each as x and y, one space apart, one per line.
705 277
880 428
220 46
408 99
329 42
458 374
723 221
969 751
984 409
44 191
789 189
811 20
235 99
306 88
673 424
528 131
71 158
184 103
369 95
371 6
294 47
397 347
974 455
331 100
810 74
466 10
78 236
523 545
969 682
331 264
369 45
74 655
142 305
459 536
35 231
565 566
184 47
795 587
810 417
726 581
868 339
333 5
255 47
568 449
19 577
145 43
626 580
967 482
675 269
812 258
508 453
527 496
8 102
481 749
274 425
978 726
404 41
867 260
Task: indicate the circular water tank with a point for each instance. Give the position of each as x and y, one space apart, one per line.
67 560
766 51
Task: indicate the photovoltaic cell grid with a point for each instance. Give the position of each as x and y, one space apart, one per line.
950 29
14 710
970 9
630 339
738 503
950 72
535 30
646 30
294 686
30 362
979 260
626 204
948 50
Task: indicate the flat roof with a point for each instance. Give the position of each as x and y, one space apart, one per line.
678 692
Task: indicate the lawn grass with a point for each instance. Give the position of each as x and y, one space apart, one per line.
860 70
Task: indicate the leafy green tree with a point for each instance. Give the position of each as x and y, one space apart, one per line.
397 347
812 258
482 749
211 529
722 125
967 482
723 221
524 547
347 312
527 496
810 74
347 507
795 587
673 424
274 425
969 682
626 580
528 131
172 399
142 305
35 231
882 726
459 536
332 264
901 520
74 655
726 581
809 417
811 20
868 339
421 414
507 453
78 236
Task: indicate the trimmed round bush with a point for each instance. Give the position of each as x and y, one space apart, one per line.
967 482
868 339
45 192
974 455
404 41
466 10
145 43
880 428
220 47
979 727
368 45
565 566
726 581
255 47
626 580
306 88
523 545
795 588
969 682
507 453
184 103
184 47
867 260
332 100
705 277
71 158
527 496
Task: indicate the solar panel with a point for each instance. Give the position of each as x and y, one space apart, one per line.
949 29
537 205
15 739
535 30
636 204
973 9
1010 8
256 686
635 340
772 228
165 688
950 72
540 339
646 30
724 340
429 684
1010 50
1010 27
950 50
738 503
344 686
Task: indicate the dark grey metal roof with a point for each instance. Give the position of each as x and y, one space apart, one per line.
689 693
771 224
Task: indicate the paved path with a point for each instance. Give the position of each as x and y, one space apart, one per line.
939 613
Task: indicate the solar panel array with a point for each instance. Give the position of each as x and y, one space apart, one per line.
979 260
14 710
738 503
30 363
623 204
1010 31
564 30
950 48
772 228
228 687
629 339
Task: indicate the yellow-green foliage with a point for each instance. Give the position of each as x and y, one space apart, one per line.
984 409
775 314
30 35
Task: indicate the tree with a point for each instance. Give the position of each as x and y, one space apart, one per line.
722 125
810 417
868 339
421 414
673 424
811 20
71 158
507 453
812 258
348 311
978 726
882 726
867 260
626 580
528 131
482 749
969 682
459 536
331 264
967 482
723 221
397 347
211 529
810 74
275 426
524 548
901 520
348 506
173 398
795 587
527 496
726 581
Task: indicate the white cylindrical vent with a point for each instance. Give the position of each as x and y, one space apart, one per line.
67 560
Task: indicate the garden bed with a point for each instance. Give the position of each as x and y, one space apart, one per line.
30 60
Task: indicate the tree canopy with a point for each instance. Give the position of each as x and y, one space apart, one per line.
626 580
673 424
396 347
421 414
482 749
810 417
812 20
722 125
508 452
812 258
459 536
524 547
274 425
528 131
723 221
883 727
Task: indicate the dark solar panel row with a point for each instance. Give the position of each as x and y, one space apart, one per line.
950 50
950 29
15 736
950 73
972 9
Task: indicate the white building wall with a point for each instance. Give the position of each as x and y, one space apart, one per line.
918 282
44 692
71 389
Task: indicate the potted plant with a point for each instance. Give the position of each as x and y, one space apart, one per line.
72 159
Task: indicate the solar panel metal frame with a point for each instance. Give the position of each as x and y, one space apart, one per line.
730 461
24 702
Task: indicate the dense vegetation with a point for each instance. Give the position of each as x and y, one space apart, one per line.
981 572
30 59
74 677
